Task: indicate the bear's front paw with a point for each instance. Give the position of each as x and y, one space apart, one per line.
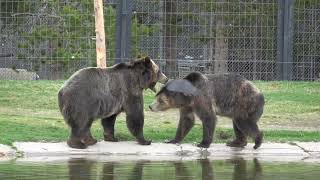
144 142
203 145
111 139
258 140
75 143
237 143
89 140
172 141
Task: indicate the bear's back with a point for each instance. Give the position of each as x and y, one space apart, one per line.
230 92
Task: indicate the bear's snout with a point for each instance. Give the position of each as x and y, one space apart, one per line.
162 78
152 108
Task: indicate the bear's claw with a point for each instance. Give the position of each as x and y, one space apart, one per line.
76 144
145 142
237 143
111 139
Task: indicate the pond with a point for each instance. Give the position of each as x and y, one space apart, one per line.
237 168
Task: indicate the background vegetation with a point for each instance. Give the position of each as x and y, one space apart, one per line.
220 36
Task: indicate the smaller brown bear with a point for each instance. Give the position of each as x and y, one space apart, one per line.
227 95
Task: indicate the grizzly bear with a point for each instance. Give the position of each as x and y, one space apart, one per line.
227 95
93 93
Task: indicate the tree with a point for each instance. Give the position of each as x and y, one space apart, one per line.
235 33
170 9
60 33
221 46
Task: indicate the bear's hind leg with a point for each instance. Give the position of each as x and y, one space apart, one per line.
250 128
108 126
186 122
254 132
241 138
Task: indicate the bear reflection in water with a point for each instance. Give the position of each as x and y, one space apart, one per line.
183 170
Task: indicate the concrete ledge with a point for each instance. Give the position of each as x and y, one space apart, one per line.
131 151
101 148
131 158
159 151
6 152
312 148
309 146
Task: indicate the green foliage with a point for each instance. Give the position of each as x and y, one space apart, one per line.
63 31
110 31
306 47
139 32
66 30
60 31
10 8
72 16
246 24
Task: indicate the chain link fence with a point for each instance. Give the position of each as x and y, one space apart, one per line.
214 36
306 47
51 39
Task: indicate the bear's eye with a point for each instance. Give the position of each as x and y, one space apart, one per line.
161 101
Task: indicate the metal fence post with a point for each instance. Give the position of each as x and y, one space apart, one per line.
123 30
285 40
280 27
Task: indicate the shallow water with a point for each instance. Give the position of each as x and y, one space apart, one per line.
81 168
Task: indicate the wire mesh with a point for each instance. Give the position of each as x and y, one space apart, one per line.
306 47
209 36
52 39
49 38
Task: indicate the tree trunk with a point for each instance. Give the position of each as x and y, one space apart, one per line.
221 45
210 46
170 9
100 34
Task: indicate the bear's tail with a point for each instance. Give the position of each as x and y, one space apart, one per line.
64 108
60 100
260 104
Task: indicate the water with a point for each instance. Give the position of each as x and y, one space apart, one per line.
237 169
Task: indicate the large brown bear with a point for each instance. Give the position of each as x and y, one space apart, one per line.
227 95
92 93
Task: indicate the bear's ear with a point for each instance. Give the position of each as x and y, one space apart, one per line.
182 86
147 60
131 61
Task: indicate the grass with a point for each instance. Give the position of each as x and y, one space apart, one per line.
29 112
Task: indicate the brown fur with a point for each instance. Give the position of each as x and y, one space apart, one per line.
227 95
93 93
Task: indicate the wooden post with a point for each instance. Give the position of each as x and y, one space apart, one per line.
100 34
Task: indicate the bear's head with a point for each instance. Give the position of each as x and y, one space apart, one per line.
175 94
149 73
